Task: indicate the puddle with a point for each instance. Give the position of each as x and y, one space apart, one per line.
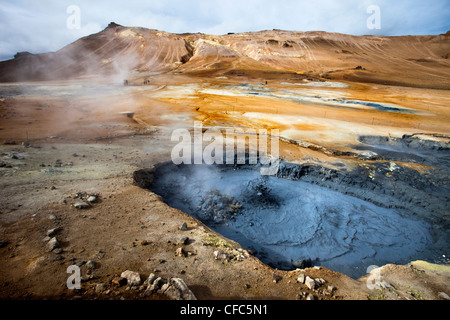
310 96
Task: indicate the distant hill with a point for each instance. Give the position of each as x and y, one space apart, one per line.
116 51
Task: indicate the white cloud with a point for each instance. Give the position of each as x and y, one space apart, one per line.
40 26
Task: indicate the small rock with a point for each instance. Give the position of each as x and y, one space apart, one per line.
133 278
310 283
17 156
220 255
52 217
91 265
92 199
180 252
81 205
276 278
145 242
119 281
53 231
156 284
52 244
310 297
185 240
443 295
178 290
100 287
183 226
301 278
151 278
319 281
331 288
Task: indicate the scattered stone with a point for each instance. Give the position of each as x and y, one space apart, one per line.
145 242
58 250
331 288
81 205
319 281
16 156
183 226
185 240
310 297
443 295
119 281
276 278
100 287
178 290
301 278
53 232
154 286
58 163
52 217
151 278
53 188
220 255
133 278
92 198
180 252
310 283
91 265
52 244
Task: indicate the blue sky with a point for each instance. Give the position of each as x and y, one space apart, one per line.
41 25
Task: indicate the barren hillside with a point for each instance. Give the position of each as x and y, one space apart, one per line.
421 61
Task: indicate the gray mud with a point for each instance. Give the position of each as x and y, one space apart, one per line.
309 214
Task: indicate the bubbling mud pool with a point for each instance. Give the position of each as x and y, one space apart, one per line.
289 224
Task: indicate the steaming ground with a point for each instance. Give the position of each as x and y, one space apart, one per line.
285 222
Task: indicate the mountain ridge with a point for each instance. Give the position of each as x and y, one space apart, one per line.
118 50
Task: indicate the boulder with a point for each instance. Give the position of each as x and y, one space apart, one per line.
81 205
310 283
133 278
52 244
